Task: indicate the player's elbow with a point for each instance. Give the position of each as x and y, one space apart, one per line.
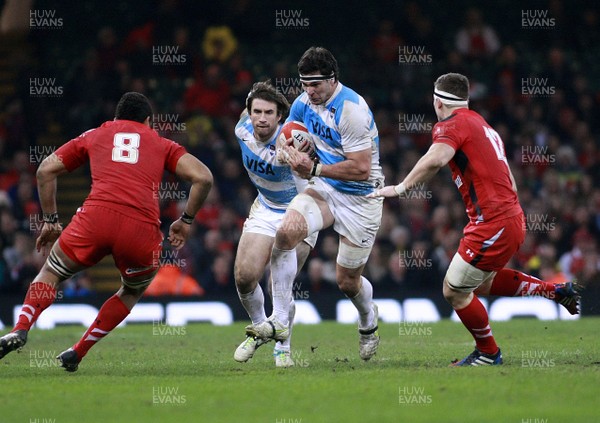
436 165
42 172
192 170
363 171
48 169
433 163
203 177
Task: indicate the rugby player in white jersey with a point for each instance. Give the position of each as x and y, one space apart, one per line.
347 145
257 132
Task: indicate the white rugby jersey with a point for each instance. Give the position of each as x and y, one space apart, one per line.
275 182
344 124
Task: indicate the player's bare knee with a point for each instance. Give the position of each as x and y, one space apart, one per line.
245 279
448 292
288 236
348 284
127 290
458 299
349 279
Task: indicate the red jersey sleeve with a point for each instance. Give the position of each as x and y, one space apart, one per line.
174 153
447 132
75 152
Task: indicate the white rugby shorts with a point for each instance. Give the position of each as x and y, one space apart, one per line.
356 217
263 220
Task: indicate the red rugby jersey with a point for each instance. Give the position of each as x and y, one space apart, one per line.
479 166
127 161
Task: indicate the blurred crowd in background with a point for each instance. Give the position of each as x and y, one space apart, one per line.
536 85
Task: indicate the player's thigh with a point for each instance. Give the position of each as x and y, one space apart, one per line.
357 218
253 254
489 246
81 245
87 239
136 251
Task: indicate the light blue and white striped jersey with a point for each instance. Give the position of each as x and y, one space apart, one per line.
344 124
275 182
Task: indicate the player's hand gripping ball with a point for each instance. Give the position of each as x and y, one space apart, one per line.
296 134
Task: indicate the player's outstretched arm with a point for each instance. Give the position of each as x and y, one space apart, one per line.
190 169
437 156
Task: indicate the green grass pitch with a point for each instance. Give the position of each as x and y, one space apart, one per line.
146 373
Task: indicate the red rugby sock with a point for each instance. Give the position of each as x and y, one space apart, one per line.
512 283
475 318
112 312
39 297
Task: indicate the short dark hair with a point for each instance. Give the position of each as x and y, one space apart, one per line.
267 92
133 106
318 59
453 83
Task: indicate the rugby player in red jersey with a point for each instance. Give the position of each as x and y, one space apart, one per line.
475 153
119 217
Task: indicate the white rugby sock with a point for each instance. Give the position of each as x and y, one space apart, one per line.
285 345
283 271
254 303
362 301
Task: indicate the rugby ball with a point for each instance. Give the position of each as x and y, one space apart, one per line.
296 131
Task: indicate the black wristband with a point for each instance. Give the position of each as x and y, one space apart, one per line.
316 169
50 217
186 218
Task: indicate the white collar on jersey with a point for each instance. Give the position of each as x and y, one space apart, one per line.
337 90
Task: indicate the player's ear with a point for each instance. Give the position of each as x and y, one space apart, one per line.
147 121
